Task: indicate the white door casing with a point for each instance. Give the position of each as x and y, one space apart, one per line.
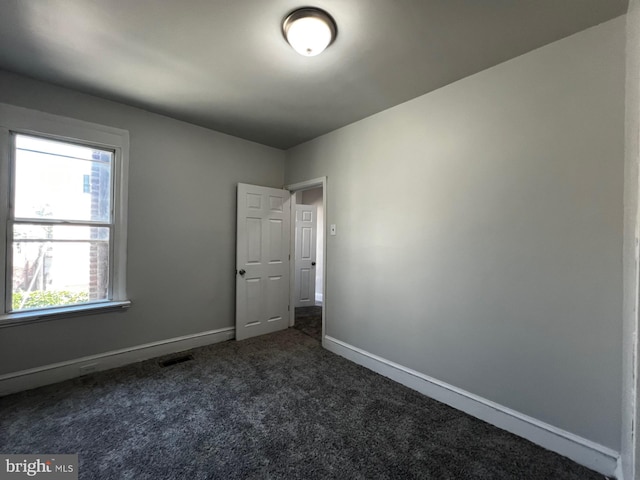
262 260
305 255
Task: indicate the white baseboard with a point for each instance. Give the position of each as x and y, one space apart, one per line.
619 475
319 297
57 372
585 452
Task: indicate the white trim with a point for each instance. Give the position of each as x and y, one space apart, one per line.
294 188
292 258
32 316
307 184
58 372
5 172
36 122
590 454
120 219
619 473
318 297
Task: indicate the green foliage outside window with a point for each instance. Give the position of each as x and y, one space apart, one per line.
48 298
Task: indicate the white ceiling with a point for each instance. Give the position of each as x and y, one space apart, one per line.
224 64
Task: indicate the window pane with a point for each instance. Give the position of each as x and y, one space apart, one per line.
54 273
58 232
61 180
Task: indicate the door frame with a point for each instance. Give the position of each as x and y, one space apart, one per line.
294 188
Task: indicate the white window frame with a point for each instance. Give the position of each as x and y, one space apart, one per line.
18 120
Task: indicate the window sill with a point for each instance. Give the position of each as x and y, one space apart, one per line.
33 316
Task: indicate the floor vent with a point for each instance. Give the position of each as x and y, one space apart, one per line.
175 360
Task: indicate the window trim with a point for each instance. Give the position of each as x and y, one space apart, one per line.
18 120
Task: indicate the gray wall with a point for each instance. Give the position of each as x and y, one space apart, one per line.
630 444
479 232
181 247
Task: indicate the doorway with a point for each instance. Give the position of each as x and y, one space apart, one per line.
308 265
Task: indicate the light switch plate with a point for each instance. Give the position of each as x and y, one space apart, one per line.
332 229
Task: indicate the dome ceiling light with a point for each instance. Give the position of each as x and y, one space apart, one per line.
309 30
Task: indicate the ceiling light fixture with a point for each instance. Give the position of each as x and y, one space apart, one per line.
309 30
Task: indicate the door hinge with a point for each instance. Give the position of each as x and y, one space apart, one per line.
288 308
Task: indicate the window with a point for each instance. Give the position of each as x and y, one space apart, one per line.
63 215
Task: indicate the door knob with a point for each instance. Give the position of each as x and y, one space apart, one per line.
313 264
242 272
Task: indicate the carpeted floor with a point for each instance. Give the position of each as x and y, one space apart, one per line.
273 407
309 321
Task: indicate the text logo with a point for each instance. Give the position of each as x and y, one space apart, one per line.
49 467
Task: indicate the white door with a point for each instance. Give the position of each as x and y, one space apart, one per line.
262 261
305 261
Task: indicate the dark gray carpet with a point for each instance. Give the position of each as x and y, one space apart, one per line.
309 321
274 407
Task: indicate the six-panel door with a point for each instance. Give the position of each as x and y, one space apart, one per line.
305 251
262 260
